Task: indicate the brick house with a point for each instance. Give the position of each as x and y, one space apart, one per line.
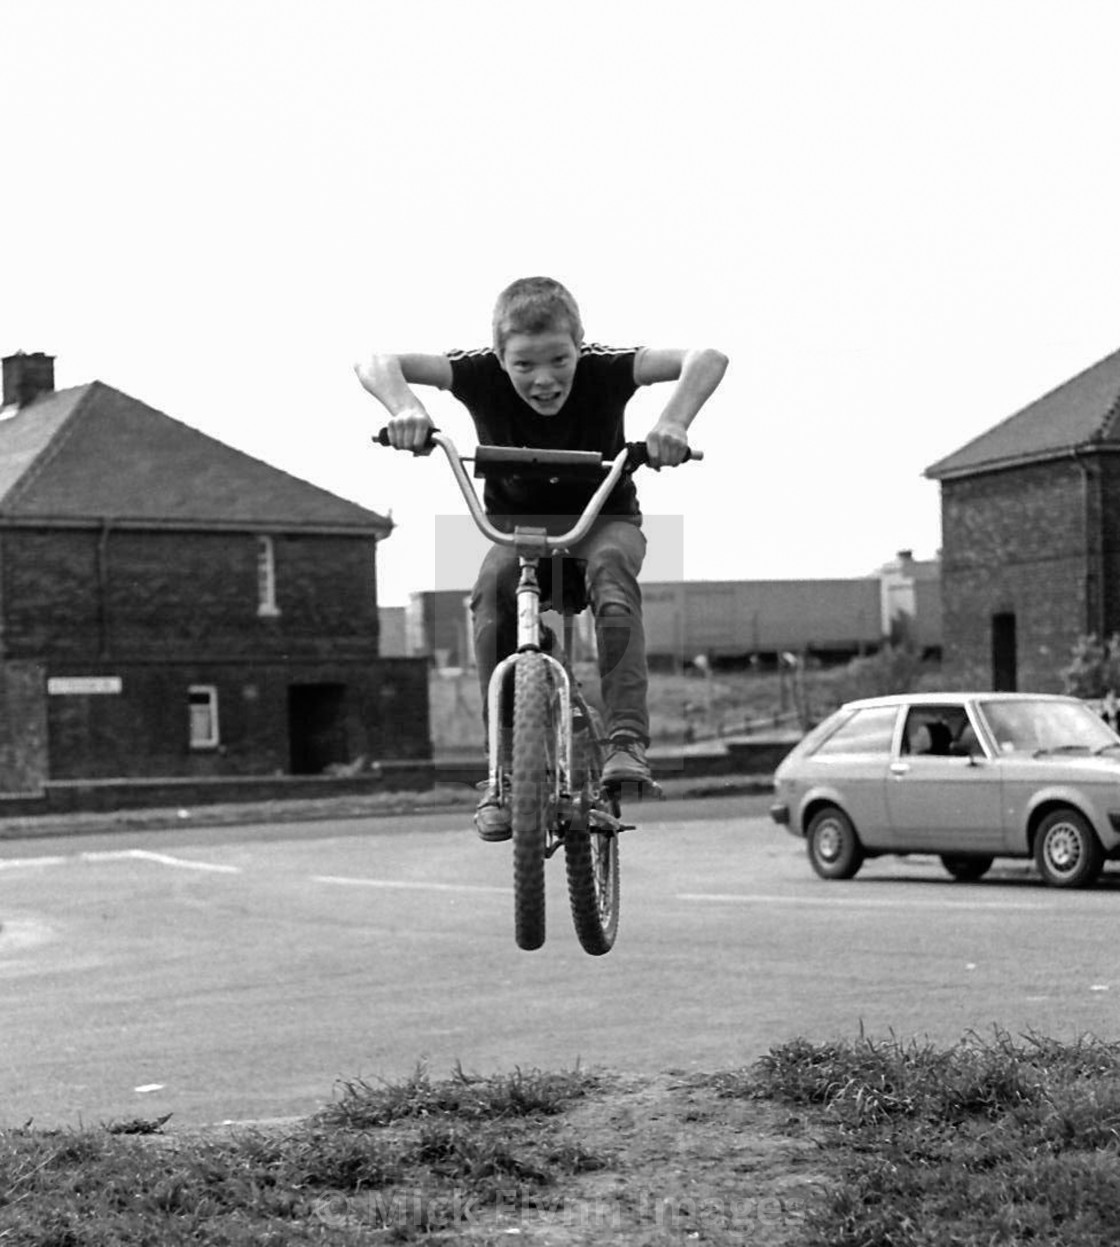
173 608
1030 516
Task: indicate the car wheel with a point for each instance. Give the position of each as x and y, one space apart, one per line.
966 867
834 848
1067 851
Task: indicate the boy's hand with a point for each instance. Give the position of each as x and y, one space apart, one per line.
409 429
667 444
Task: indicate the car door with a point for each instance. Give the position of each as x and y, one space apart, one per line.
943 793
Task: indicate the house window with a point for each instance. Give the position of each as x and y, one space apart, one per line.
202 701
266 577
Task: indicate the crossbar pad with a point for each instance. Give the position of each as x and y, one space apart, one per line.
525 459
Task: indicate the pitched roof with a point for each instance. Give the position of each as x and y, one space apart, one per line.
1082 412
95 453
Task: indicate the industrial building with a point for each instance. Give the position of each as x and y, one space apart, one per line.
728 622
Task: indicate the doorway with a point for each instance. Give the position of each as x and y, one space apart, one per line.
1005 661
317 727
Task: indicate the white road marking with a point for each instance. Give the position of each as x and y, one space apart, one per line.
12 862
165 859
112 855
409 884
850 902
20 933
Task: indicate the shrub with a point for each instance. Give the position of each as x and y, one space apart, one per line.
892 669
1094 667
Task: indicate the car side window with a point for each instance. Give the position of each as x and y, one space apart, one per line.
870 731
934 731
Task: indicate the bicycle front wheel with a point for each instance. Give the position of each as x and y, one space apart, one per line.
591 859
533 772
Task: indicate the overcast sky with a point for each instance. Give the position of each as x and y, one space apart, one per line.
897 219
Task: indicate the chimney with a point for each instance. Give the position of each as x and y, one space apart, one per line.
26 377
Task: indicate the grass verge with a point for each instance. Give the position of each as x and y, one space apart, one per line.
415 1160
996 1140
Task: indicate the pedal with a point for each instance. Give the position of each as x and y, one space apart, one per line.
600 820
635 790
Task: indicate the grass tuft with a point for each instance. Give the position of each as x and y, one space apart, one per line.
997 1140
139 1125
362 1105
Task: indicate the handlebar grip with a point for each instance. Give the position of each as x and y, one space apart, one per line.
382 439
639 455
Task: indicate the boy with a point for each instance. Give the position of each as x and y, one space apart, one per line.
541 385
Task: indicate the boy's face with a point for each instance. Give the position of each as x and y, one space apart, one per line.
541 367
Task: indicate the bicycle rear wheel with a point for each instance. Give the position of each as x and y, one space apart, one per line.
591 858
533 771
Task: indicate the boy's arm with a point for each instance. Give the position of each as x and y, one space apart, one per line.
389 378
697 373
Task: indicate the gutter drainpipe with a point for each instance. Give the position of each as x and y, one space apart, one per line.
103 589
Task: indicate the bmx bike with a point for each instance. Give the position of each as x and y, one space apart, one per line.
546 745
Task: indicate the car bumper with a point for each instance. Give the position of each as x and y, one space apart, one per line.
779 812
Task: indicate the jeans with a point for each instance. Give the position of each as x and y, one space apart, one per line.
613 553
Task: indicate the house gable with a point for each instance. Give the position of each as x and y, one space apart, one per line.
1029 518
172 609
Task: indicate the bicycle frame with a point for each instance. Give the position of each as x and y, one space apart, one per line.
532 544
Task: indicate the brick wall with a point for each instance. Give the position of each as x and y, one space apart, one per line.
163 611
1020 541
142 731
1109 475
23 728
94 593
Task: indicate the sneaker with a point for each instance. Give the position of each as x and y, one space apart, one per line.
626 762
491 819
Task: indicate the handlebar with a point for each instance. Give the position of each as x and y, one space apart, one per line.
493 457
538 461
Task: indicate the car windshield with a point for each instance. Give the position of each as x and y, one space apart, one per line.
1047 727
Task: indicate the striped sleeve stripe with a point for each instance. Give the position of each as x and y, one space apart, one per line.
597 348
473 353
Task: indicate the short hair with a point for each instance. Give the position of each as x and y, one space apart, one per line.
535 305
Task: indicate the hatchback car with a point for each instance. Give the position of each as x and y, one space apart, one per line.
967 776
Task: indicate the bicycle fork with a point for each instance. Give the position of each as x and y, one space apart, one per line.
505 674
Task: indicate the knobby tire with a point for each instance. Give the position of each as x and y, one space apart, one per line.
530 792
591 859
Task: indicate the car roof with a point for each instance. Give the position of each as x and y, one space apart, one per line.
939 698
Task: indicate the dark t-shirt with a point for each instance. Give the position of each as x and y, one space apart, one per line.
591 419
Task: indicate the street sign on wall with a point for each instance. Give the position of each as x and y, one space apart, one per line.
63 685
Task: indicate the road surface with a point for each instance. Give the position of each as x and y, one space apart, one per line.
240 973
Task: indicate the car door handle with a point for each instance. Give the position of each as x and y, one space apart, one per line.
900 768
